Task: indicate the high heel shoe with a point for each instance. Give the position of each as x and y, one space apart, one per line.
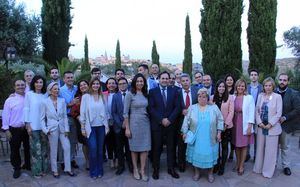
136 174
240 173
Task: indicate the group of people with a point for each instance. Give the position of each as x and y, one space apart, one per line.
200 123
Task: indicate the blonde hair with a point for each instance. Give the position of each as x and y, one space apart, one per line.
238 82
203 90
269 79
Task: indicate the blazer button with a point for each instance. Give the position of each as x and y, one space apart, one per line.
57 120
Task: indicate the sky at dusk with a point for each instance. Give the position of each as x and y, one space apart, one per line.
136 23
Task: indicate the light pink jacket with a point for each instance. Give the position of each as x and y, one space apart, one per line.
227 109
275 111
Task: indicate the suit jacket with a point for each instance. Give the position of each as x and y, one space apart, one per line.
194 99
157 109
260 89
151 83
117 108
248 110
274 112
52 119
61 82
291 110
227 109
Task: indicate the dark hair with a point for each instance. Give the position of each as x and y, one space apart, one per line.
34 79
225 79
164 72
225 95
53 68
145 66
253 70
79 93
119 69
198 72
133 84
111 78
95 70
67 72
15 80
122 78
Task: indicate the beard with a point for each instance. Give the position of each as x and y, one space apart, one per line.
282 87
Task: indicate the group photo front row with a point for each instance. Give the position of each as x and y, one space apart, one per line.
198 122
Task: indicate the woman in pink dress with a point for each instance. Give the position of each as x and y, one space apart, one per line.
244 110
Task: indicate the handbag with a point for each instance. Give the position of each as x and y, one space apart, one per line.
190 136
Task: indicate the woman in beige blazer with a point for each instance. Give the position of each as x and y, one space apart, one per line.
268 113
54 123
225 103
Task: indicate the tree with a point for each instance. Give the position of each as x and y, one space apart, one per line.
220 28
155 55
188 56
118 56
18 29
261 34
56 25
292 39
86 66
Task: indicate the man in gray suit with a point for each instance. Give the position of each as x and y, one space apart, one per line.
117 107
289 119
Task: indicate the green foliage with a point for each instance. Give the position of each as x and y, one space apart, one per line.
155 55
66 65
292 39
261 34
220 28
188 56
6 78
118 56
18 29
86 65
56 25
295 77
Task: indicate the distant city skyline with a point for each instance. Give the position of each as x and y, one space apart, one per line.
136 23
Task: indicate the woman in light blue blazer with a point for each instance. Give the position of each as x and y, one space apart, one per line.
54 123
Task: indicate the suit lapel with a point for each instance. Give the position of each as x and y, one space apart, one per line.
51 106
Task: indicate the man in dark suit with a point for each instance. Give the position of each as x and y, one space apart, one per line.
117 117
187 97
164 109
289 120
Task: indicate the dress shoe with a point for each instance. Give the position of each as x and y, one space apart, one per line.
28 168
120 170
62 165
74 164
247 158
221 171
155 174
181 168
70 173
173 173
287 171
17 173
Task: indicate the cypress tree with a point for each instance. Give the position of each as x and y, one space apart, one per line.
188 56
86 66
155 55
261 34
118 56
56 25
220 28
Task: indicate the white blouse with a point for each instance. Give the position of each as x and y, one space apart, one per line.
32 108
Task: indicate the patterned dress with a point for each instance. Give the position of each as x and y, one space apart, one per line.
135 107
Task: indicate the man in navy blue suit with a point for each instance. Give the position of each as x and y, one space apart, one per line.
117 115
164 109
187 97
